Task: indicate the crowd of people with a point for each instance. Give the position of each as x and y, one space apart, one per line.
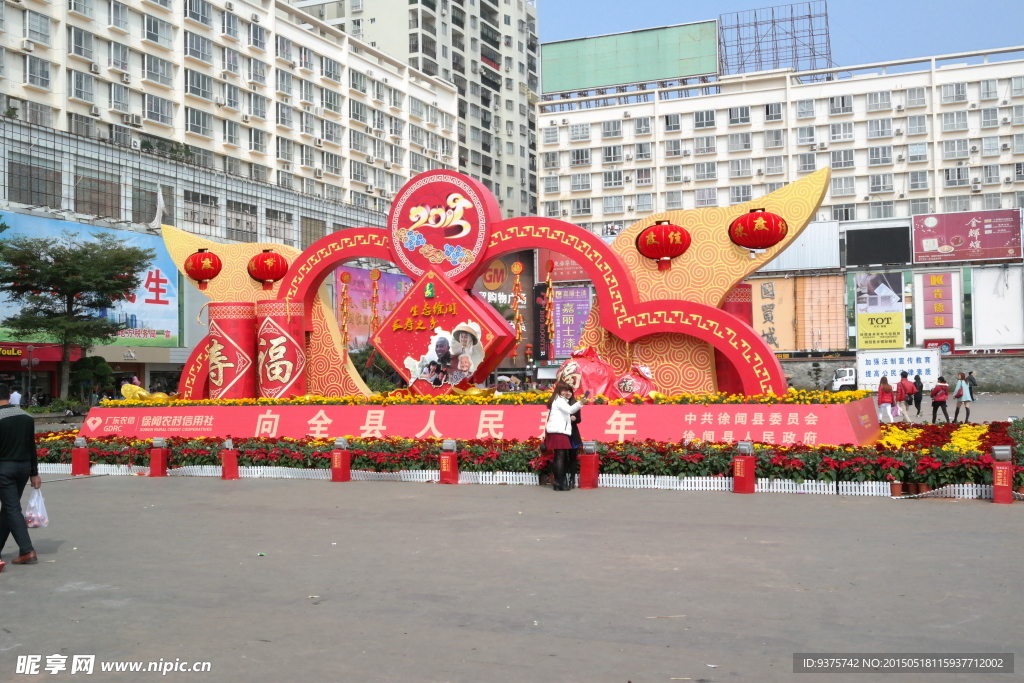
895 402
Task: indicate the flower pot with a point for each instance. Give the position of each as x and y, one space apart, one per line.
924 488
1020 490
895 489
910 489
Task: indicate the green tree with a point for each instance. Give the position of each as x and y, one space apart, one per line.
379 376
92 374
63 286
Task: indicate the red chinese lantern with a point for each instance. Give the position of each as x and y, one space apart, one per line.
663 242
268 267
203 266
758 230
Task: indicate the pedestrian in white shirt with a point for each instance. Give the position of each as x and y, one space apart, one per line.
15 398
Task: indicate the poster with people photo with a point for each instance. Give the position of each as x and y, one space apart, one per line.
450 357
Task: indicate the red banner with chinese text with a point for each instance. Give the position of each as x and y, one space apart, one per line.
854 423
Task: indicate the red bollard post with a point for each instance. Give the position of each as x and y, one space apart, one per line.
1002 482
229 461
449 463
158 458
341 465
80 461
590 465
744 473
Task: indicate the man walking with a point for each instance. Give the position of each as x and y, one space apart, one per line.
905 389
15 398
18 466
973 384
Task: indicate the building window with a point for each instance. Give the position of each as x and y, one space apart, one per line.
739 115
706 196
258 37
805 109
956 204
879 101
611 129
739 194
550 160
991 201
990 174
551 184
642 151
844 186
644 176
917 152
840 131
707 170
920 206
739 168
882 209
159 31
674 200
552 209
80 42
232 133
774 165
199 122
37 72
739 142
879 128
954 92
959 176
81 85
37 27
673 174
550 135
844 212
612 204
642 126
579 132
119 57
158 70
644 203
919 180
840 105
954 149
581 207
705 144
612 154
917 125
806 162
773 112
159 109
703 119
916 97
580 182
880 182
199 84
579 157
258 141
954 120
672 124
673 148
120 98
805 135
612 179
774 138
989 118
842 158
879 156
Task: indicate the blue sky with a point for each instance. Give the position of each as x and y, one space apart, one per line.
861 31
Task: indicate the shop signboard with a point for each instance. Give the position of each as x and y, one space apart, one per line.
150 314
565 269
967 236
937 301
572 308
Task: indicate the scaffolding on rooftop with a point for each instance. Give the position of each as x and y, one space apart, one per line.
791 36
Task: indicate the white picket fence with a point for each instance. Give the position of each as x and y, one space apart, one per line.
790 486
864 488
626 481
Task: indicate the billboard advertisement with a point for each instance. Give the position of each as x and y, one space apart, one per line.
150 315
880 313
968 236
391 288
565 269
572 308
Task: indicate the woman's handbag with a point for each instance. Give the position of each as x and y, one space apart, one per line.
959 393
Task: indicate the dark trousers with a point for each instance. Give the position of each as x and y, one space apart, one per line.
560 468
13 478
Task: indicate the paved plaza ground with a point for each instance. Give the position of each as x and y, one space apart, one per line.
379 581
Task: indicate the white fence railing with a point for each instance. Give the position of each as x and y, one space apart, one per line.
626 481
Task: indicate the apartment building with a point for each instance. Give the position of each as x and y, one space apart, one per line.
244 116
489 50
937 134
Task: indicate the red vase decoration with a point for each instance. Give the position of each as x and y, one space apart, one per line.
663 242
203 266
758 230
268 267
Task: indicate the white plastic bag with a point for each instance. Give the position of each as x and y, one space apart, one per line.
35 513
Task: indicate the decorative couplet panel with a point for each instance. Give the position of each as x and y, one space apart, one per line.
853 423
232 350
281 348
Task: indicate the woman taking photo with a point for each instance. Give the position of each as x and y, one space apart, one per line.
886 400
558 430
962 394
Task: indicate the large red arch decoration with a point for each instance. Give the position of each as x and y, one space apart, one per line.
447 223
624 315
